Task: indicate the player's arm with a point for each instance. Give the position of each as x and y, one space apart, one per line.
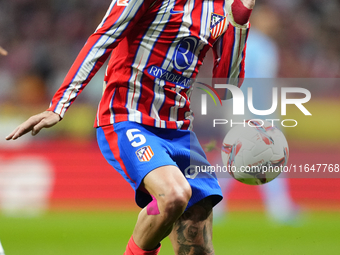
229 50
117 22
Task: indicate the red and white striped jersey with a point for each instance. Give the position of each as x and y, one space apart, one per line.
156 48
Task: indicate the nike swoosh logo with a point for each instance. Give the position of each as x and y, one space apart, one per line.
172 11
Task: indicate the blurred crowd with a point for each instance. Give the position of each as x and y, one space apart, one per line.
43 37
308 36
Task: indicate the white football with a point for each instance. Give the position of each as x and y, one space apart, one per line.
255 153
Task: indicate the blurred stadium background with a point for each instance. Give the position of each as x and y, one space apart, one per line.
59 196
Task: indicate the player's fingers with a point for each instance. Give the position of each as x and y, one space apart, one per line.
21 130
36 129
10 136
35 124
46 122
24 127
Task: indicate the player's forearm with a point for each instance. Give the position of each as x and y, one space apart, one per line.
88 62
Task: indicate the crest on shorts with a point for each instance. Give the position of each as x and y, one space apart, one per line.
217 24
144 154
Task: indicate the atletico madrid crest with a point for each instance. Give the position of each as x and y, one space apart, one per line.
144 154
217 24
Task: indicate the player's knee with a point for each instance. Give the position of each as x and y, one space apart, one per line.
176 202
181 197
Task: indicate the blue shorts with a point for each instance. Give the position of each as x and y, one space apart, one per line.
134 150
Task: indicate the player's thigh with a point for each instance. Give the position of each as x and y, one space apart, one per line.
192 232
167 184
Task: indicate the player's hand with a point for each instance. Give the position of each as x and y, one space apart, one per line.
3 51
35 124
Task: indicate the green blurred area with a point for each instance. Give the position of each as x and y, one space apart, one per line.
89 233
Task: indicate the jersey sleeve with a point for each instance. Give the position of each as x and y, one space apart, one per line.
116 24
229 54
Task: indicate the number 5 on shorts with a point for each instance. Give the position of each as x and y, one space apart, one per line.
132 137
